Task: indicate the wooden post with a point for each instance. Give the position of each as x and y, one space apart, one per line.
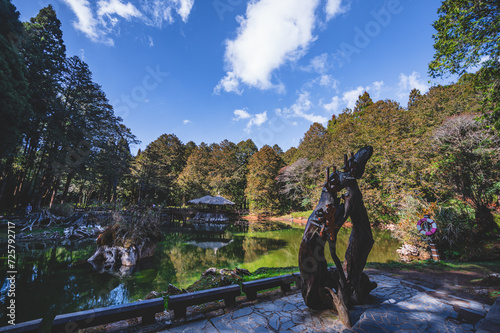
434 252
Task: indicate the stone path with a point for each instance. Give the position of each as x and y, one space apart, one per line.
396 306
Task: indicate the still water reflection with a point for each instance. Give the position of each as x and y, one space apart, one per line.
54 278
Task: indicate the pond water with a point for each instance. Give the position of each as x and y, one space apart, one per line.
53 278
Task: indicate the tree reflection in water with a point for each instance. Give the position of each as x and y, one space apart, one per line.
54 278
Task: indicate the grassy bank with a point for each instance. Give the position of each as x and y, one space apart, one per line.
472 278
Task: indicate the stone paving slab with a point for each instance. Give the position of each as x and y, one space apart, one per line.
491 324
395 306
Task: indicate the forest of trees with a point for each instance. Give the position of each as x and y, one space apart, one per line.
59 136
62 143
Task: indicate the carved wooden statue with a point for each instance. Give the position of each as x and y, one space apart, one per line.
347 284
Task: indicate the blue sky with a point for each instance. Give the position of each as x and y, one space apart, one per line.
209 70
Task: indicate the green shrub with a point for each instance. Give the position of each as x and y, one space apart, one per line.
455 238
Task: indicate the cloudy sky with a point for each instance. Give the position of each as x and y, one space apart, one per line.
209 70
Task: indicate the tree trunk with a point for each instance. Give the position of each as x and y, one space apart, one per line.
115 185
69 178
54 191
6 175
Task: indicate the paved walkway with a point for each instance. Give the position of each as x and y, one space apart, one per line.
396 305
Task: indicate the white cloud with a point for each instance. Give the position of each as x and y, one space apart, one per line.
333 106
257 120
241 114
412 81
272 33
407 83
86 22
375 89
318 64
228 83
184 8
253 119
187 121
99 20
110 7
328 81
151 43
334 8
351 96
300 110
324 80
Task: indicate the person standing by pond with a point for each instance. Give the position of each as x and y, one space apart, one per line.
28 209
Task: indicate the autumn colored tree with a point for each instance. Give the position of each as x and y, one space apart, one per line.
194 180
300 183
189 148
289 156
245 150
262 189
415 95
224 164
278 149
313 145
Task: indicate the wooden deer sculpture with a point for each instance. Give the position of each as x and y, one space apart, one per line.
347 285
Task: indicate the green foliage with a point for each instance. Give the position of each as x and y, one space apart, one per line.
468 35
363 102
467 30
158 167
14 109
303 215
266 272
456 237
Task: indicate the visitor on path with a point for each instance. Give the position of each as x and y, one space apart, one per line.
28 209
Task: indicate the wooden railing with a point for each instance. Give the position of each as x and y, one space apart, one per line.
147 309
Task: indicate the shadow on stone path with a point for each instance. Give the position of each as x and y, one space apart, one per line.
396 306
